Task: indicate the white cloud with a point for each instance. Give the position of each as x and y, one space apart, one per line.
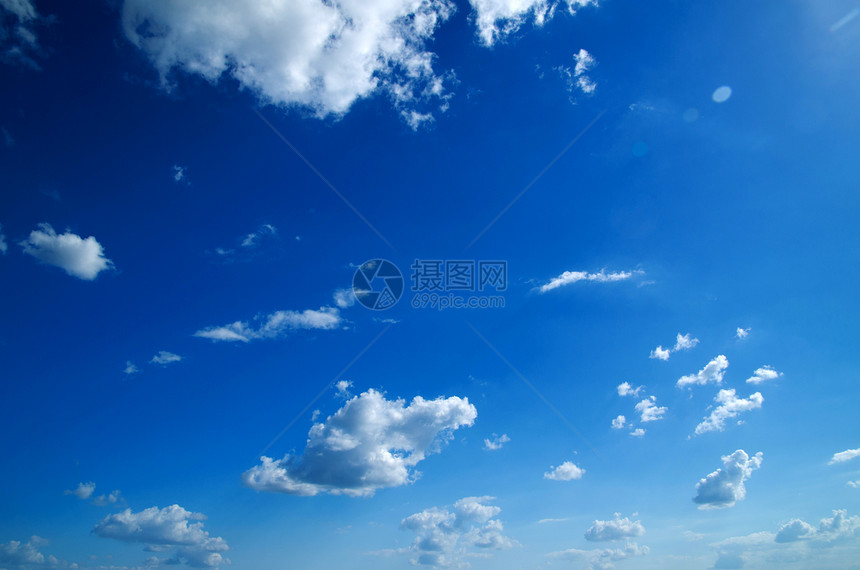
544 521
713 372
638 432
684 342
619 422
498 18
725 486
82 258
763 374
446 537
109 499
275 325
368 444
130 368
626 389
567 471
344 298
83 491
729 407
854 484
164 358
840 525
253 238
342 387
318 55
742 333
578 78
660 353
168 528
844 456
15 554
601 558
179 174
615 529
3 246
691 536
18 41
794 530
497 442
569 277
649 410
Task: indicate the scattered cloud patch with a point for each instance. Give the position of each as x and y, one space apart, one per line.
83 490
618 422
712 373
544 521
179 174
496 442
165 530
567 471
275 325
682 342
578 79
342 387
164 358
725 486
691 536
3 246
844 456
369 444
660 353
446 537
854 484
253 238
315 55
638 432
649 410
19 44
497 19
78 257
626 389
344 298
130 368
615 529
763 374
25 555
569 277
602 558
729 407
741 334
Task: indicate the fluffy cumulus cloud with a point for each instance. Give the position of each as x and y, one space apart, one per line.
728 406
649 410
615 529
498 18
619 422
82 491
741 334
496 442
763 374
445 537
344 298
577 78
315 54
86 490
600 558
844 456
660 353
567 471
638 432
171 529
725 486
368 444
274 325
682 342
26 555
712 373
626 389
569 277
164 358
79 257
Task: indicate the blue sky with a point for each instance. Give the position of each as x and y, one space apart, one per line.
667 377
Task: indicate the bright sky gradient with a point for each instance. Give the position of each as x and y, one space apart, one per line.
188 188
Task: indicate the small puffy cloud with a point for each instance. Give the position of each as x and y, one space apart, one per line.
616 529
794 530
109 499
725 486
3 246
601 558
569 277
253 238
844 456
684 342
567 471
626 389
741 334
619 422
25 555
370 443
446 537
130 368
169 529
275 325
763 374
496 442
312 54
712 373
498 18
660 353
79 257
854 484
342 387
179 174
164 358
83 491
649 410
344 298
578 77
638 432
729 407
839 526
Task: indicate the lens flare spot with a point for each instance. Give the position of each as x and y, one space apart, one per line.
722 94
